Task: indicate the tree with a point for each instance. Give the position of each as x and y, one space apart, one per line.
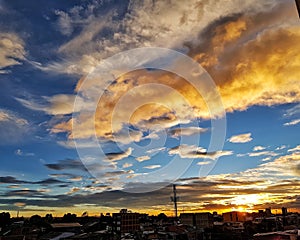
36 220
69 217
48 217
162 216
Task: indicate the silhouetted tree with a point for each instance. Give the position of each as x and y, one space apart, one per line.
69 217
36 220
48 217
162 216
85 214
4 219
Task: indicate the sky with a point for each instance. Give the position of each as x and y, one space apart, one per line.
105 104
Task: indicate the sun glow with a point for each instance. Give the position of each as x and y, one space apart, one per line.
249 199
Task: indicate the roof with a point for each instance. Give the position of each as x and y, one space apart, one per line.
65 225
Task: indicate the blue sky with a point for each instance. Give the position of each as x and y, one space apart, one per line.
229 137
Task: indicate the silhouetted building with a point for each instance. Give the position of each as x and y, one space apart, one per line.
126 222
204 220
187 219
234 217
284 211
268 212
199 220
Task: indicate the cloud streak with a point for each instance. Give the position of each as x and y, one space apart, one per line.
12 50
241 138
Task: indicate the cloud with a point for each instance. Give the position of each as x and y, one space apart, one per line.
75 178
203 163
280 147
295 149
237 51
152 166
12 50
163 24
188 131
186 151
252 189
19 204
117 156
127 165
232 46
73 190
54 105
19 152
142 158
292 123
293 111
262 153
12 180
67 164
12 127
117 173
241 138
49 181
155 150
258 148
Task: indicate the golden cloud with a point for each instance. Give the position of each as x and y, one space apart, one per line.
254 60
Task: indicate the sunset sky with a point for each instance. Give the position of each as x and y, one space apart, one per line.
74 140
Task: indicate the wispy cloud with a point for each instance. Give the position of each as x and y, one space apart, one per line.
55 105
152 166
12 50
292 123
186 131
186 151
262 153
258 148
295 149
19 152
12 127
241 138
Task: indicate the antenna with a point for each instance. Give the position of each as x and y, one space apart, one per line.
175 199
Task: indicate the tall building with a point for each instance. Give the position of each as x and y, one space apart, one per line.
284 211
234 217
126 221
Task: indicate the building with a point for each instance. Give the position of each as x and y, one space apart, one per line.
126 222
204 220
268 212
187 219
284 211
199 220
234 217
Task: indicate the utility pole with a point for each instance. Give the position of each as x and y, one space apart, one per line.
298 6
175 199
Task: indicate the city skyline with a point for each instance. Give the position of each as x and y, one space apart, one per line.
71 138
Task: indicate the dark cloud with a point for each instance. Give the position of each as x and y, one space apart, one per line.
10 179
67 164
24 193
49 181
13 180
